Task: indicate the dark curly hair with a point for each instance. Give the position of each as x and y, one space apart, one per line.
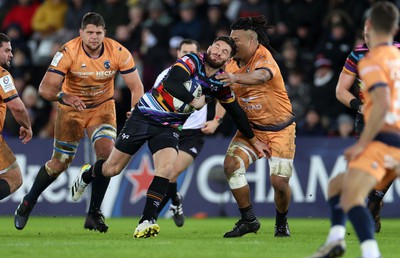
258 24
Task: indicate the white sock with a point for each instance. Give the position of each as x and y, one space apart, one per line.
336 233
369 249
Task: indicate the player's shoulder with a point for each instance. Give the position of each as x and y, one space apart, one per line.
360 50
3 72
113 45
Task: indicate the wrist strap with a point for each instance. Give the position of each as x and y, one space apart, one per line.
355 104
60 96
219 119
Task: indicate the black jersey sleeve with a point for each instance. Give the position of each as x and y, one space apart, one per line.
239 117
173 83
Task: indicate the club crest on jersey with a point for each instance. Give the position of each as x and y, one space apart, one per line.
107 64
6 79
83 65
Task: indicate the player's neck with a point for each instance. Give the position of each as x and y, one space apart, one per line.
210 71
93 53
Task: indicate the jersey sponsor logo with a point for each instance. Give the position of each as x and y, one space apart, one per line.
98 74
56 59
252 107
105 74
125 136
247 100
6 83
83 65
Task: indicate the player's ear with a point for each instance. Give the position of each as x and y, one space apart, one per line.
80 32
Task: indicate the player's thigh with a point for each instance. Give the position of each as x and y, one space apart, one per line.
7 157
239 155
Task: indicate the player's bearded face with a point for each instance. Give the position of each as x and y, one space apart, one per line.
5 55
93 37
217 55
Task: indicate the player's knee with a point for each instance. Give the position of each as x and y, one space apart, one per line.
280 184
335 185
229 165
104 131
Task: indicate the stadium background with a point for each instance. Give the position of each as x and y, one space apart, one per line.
311 50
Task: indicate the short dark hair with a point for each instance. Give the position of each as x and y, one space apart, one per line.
189 42
384 16
228 40
92 18
4 38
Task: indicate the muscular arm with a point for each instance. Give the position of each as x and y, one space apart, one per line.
20 115
135 85
50 86
343 86
256 77
17 108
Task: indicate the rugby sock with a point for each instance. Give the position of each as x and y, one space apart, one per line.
171 194
154 197
42 181
362 222
247 213
95 171
280 217
374 201
99 187
172 190
4 189
337 215
338 220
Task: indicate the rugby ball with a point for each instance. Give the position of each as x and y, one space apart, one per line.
194 88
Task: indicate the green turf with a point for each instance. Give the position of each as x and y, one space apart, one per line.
65 237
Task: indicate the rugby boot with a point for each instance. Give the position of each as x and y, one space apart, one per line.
22 213
243 227
95 221
282 229
148 228
331 250
177 211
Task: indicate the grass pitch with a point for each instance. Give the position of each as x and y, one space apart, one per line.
65 237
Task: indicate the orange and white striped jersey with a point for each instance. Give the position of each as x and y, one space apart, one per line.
7 92
92 79
267 104
381 68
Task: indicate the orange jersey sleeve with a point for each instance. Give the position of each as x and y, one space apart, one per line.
380 68
92 79
265 104
7 93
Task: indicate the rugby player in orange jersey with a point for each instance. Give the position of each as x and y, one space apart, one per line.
10 172
380 138
256 79
85 68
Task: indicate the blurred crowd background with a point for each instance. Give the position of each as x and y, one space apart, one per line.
312 39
